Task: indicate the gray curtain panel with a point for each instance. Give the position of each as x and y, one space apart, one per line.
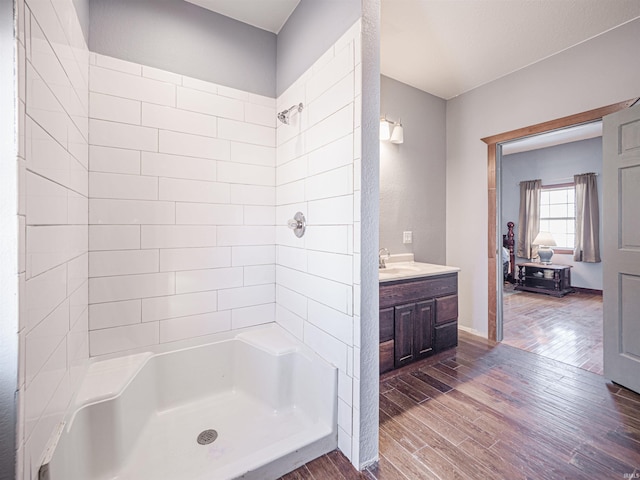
529 218
587 247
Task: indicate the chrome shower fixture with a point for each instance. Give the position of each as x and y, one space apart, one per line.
283 116
298 224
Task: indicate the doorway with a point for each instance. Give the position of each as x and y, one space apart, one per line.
494 143
564 324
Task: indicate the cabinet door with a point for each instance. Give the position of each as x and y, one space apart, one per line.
423 329
387 361
386 324
404 332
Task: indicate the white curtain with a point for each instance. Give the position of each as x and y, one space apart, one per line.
587 247
529 218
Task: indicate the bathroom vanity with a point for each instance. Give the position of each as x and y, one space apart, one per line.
418 312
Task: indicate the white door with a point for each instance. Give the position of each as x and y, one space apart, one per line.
621 254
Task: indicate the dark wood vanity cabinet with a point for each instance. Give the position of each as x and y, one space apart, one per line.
418 317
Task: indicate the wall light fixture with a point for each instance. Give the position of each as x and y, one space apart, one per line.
385 129
391 131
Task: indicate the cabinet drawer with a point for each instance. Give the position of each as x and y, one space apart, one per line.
446 309
415 290
386 356
446 336
386 324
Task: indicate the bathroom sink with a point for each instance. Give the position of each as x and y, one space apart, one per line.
398 270
407 268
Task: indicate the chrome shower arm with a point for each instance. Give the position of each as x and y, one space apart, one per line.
283 116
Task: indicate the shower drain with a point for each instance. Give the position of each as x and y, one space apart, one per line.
207 437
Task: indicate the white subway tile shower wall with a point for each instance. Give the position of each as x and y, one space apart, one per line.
182 207
186 232
53 126
318 172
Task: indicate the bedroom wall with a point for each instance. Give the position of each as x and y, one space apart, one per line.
412 193
554 165
590 75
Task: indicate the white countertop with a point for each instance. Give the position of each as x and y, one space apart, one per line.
400 270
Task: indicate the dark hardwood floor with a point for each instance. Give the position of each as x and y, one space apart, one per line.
487 411
568 329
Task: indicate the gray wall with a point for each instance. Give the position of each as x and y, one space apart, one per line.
554 165
370 216
183 38
8 246
311 29
412 174
82 11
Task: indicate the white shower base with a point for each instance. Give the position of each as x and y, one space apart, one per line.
249 433
271 401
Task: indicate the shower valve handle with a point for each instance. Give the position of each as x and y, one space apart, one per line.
293 224
297 224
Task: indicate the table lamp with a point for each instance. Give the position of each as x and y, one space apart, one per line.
545 240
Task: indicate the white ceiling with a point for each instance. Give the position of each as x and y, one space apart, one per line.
268 15
448 47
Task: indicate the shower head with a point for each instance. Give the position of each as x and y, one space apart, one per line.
283 116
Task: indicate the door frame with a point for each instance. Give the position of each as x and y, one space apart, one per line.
493 142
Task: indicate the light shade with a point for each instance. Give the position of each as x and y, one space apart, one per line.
385 131
397 136
544 239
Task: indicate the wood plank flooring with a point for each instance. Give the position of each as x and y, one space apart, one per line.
568 329
486 411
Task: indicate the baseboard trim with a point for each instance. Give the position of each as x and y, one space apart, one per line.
472 331
592 291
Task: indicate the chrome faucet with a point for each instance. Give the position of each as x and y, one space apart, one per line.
381 260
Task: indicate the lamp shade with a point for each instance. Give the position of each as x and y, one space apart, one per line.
397 136
544 239
385 131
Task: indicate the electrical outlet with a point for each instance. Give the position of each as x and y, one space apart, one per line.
407 237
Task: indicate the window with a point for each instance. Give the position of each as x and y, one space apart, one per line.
558 214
